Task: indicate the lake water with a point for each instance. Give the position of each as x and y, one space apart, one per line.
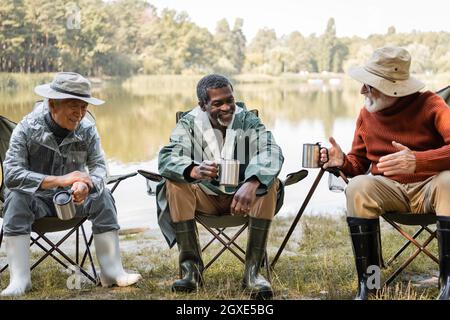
139 115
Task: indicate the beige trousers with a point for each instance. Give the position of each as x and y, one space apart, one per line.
186 199
371 196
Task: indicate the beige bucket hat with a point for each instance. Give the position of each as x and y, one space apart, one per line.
388 71
68 85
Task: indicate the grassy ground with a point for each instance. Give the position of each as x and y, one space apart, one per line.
316 264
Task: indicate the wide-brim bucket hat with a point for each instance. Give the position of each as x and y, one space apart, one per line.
68 85
388 71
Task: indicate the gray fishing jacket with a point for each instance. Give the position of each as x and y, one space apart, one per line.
34 154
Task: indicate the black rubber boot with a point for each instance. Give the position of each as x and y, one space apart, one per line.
191 264
366 240
443 235
259 287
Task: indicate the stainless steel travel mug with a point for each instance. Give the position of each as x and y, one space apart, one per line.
311 155
229 172
65 208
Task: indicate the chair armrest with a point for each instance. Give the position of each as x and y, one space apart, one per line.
291 178
294 177
119 177
153 176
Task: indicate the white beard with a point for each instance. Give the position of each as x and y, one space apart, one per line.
223 124
378 104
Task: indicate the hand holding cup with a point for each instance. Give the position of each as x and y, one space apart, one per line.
207 170
333 157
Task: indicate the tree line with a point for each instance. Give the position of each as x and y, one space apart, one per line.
126 37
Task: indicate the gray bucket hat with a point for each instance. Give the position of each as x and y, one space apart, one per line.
68 85
388 71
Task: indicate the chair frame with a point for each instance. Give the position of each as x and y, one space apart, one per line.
228 241
410 239
219 234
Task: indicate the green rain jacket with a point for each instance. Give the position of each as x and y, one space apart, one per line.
193 141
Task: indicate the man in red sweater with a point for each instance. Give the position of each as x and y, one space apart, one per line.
403 137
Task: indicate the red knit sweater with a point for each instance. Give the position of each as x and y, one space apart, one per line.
420 121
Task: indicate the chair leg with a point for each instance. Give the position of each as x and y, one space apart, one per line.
34 241
88 244
1 237
1 241
233 242
211 241
55 247
77 246
227 245
4 268
409 260
221 232
267 266
89 254
413 241
52 245
405 245
227 241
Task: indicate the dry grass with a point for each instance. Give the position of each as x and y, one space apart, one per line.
316 264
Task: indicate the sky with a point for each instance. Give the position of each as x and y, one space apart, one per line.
352 17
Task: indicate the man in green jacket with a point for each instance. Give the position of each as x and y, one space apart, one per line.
218 128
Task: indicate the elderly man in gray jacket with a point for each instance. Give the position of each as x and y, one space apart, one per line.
50 150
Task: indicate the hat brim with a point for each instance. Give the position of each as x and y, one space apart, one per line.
398 88
45 91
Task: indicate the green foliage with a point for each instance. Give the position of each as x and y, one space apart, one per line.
126 37
22 81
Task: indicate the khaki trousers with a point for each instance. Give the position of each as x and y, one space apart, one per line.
187 199
371 196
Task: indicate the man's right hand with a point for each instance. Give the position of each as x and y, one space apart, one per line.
335 157
207 170
76 176
66 180
80 192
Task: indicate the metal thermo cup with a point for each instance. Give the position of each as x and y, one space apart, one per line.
65 208
311 155
229 172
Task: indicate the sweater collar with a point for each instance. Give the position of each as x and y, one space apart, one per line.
400 105
55 128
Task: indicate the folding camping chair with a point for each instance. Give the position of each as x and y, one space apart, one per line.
47 225
219 226
424 221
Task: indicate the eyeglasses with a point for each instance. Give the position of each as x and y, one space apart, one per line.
368 88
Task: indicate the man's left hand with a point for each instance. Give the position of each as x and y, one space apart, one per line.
401 162
80 192
244 197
